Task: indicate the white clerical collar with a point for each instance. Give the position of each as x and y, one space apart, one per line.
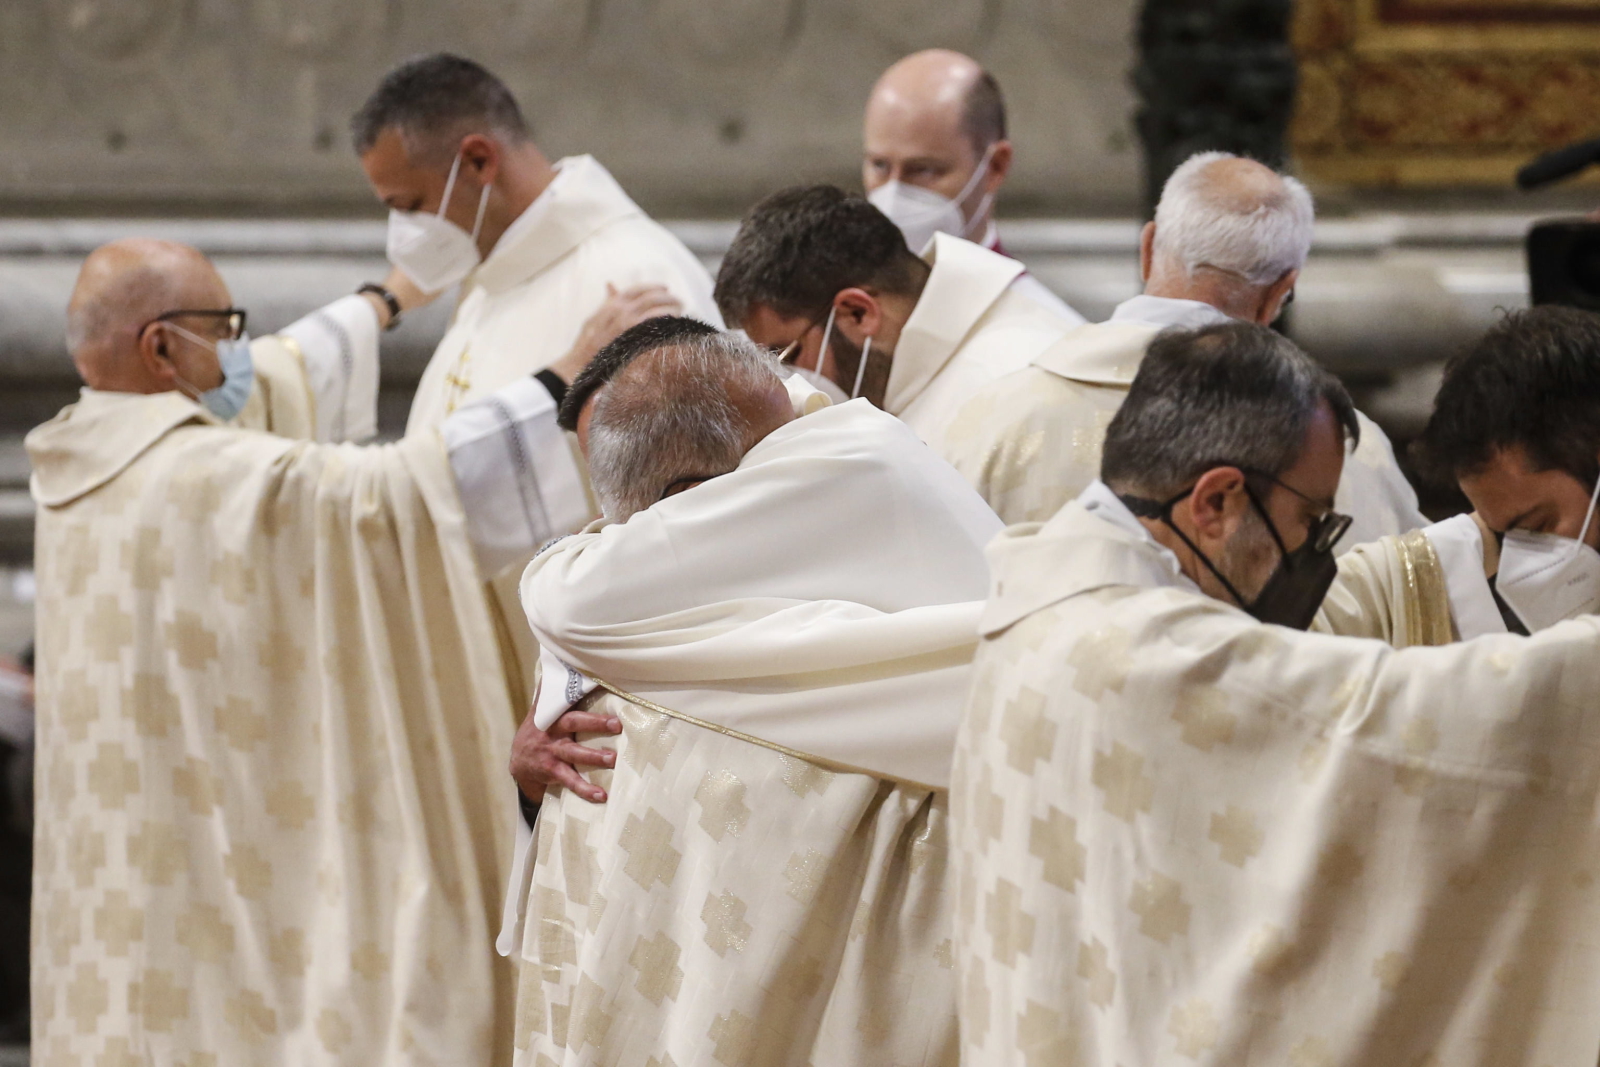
1098 500
1459 545
991 237
1166 311
535 211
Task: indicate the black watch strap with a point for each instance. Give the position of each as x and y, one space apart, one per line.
388 298
553 385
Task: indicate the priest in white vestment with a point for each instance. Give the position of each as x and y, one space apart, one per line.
780 612
935 155
827 279
535 246
1228 242
271 710
1516 425
1184 836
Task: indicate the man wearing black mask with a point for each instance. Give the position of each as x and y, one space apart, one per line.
1180 834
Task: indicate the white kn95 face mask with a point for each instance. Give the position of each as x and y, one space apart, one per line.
1546 578
431 250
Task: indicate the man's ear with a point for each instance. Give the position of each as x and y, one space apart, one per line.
1147 250
481 156
1217 504
857 314
999 165
1271 305
155 355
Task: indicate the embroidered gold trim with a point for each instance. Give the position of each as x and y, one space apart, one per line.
832 765
1427 599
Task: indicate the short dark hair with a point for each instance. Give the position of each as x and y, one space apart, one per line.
983 113
628 346
1232 393
1533 380
435 100
800 246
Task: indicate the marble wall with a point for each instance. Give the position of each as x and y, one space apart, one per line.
699 106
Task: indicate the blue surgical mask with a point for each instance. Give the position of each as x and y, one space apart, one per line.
238 375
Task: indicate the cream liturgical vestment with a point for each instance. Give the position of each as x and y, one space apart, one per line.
1426 587
272 728
523 307
1031 441
1183 836
787 646
973 324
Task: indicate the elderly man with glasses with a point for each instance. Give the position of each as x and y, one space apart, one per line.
271 700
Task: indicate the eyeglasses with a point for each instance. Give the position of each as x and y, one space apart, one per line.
232 318
1324 531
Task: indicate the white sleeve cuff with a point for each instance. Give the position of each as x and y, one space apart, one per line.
339 344
518 479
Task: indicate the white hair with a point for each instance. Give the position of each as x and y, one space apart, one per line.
1259 233
660 421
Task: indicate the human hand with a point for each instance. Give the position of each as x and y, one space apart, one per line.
620 311
540 759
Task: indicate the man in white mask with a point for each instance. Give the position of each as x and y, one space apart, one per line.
1516 424
1227 243
536 246
826 279
935 154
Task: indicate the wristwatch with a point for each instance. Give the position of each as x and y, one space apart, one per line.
388 298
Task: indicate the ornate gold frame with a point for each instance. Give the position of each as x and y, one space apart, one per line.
1412 93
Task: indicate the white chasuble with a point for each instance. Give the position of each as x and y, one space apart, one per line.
523 307
788 646
1182 836
271 743
734 903
971 326
1031 441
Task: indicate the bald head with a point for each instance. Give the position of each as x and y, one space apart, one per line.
121 288
930 120
678 413
1228 231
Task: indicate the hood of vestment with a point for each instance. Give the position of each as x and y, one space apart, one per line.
1034 565
91 442
965 282
582 199
1100 353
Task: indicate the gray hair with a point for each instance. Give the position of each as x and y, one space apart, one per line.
673 413
1204 220
1233 394
434 101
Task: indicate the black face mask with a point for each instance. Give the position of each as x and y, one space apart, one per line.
1295 589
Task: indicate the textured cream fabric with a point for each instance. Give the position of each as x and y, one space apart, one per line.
523 307
281 401
971 326
272 739
1393 590
1031 441
1181 836
732 904
823 596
